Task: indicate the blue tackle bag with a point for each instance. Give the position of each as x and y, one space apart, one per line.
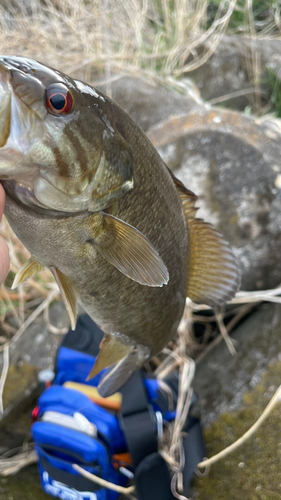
115 439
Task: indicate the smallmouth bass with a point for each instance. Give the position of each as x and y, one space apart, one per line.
91 199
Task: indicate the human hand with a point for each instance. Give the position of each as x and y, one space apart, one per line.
4 252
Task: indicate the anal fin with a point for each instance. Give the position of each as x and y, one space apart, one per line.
112 350
120 373
31 267
68 295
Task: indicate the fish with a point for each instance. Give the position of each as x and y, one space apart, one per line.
91 199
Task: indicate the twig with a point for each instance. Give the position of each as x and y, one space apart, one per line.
4 375
259 293
231 95
172 451
241 313
222 454
103 482
167 370
243 298
7 297
33 316
52 328
224 332
13 465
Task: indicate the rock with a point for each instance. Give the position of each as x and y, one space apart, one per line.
222 380
23 485
14 431
148 104
232 393
230 69
232 162
224 72
38 346
21 379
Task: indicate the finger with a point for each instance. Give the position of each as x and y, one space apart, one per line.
4 259
2 200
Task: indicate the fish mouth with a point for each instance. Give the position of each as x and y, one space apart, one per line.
15 135
22 193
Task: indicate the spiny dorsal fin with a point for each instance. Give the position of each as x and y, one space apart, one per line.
188 198
213 274
129 251
112 350
68 295
28 270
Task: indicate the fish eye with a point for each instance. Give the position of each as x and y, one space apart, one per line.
59 99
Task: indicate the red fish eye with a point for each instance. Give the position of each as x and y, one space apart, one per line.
59 100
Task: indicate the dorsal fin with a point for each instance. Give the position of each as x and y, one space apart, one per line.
213 274
188 198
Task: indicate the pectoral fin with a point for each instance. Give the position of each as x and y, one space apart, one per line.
28 270
129 251
119 374
112 350
68 295
213 273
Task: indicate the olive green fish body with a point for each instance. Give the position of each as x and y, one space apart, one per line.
145 314
92 200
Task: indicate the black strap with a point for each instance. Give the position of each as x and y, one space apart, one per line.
152 478
86 337
138 419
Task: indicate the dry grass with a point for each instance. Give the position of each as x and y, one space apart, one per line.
89 37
